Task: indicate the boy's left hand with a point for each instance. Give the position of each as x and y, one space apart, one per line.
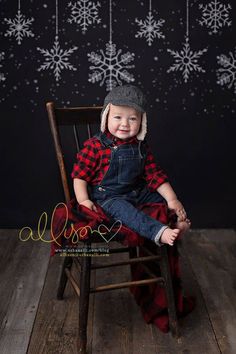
177 206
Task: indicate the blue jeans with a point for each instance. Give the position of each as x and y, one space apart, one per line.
124 208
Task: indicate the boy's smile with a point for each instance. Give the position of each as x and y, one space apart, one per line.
123 121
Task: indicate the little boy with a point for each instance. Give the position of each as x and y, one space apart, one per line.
116 169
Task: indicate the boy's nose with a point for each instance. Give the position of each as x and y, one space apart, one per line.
124 123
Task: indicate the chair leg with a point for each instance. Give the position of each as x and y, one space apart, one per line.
165 270
132 252
63 278
84 303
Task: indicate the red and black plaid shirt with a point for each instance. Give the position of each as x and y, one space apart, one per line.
93 162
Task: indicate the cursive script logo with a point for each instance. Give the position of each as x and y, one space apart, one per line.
103 234
75 235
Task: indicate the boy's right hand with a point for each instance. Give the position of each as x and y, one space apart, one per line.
89 204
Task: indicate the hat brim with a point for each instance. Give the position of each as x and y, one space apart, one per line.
124 102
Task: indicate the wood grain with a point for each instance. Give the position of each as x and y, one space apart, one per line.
212 255
208 259
23 267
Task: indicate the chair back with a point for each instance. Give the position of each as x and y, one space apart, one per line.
70 127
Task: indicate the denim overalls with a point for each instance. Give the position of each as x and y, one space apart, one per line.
123 188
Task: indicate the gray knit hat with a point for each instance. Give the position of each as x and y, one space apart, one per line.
127 95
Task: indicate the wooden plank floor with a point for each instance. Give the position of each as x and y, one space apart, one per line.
33 321
23 267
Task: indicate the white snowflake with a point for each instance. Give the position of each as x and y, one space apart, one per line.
149 28
19 27
186 60
227 74
215 15
84 13
2 76
57 59
110 67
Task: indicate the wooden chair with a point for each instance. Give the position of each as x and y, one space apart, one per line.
76 119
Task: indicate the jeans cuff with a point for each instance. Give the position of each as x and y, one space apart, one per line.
158 236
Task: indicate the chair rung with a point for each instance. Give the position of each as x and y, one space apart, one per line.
127 284
130 261
73 281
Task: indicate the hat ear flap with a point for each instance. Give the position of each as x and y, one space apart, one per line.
104 118
143 129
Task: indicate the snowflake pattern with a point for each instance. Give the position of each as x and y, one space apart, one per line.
226 75
84 13
56 59
2 76
149 28
19 27
215 15
186 60
110 67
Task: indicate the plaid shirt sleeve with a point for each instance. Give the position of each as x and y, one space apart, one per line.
153 174
87 161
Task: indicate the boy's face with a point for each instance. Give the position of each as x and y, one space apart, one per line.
123 121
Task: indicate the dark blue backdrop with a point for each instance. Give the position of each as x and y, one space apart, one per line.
191 122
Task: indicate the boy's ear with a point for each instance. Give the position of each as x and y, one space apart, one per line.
143 128
140 127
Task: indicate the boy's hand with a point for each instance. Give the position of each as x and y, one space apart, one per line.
89 204
177 206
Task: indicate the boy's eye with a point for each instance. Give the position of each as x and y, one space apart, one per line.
133 118
116 117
